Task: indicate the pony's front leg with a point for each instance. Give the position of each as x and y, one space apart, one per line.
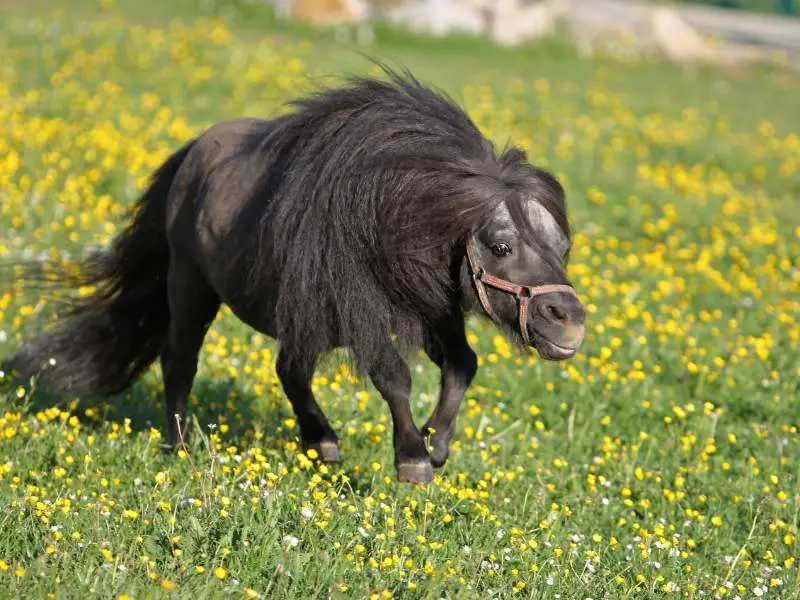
392 379
447 346
315 430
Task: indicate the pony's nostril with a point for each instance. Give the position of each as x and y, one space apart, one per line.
556 313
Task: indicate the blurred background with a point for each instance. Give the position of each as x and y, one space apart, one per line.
681 30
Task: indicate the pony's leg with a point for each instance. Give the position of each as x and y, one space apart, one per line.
392 379
316 432
447 346
193 305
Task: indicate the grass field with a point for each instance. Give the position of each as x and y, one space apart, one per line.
662 461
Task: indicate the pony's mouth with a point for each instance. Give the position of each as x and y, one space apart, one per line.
552 351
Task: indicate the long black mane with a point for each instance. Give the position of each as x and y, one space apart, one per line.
370 189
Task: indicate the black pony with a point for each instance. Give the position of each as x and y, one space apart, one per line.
370 218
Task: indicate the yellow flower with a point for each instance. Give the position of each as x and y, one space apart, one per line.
220 573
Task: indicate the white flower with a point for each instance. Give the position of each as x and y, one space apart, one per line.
306 512
290 541
758 591
467 550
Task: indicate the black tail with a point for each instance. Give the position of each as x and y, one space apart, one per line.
110 337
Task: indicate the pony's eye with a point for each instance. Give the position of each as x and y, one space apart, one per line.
501 249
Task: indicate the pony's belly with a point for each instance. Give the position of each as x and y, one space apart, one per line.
253 309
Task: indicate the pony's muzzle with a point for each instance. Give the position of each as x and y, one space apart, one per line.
558 325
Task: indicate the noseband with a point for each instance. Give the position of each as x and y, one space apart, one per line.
523 293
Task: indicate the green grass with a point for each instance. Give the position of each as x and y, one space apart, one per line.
661 461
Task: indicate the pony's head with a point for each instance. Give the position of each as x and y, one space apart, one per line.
515 263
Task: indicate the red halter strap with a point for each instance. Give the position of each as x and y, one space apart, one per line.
523 293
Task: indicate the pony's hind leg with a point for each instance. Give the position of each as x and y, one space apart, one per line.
193 305
315 430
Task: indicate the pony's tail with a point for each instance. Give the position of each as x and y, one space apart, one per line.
107 339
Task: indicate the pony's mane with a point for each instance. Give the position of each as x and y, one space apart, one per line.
369 189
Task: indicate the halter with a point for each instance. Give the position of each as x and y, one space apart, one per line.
523 293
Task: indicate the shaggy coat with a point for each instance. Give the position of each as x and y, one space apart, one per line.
340 224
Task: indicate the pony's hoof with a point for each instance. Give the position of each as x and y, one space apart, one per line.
415 472
327 450
438 459
439 453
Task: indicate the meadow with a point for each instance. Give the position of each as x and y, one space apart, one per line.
662 461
